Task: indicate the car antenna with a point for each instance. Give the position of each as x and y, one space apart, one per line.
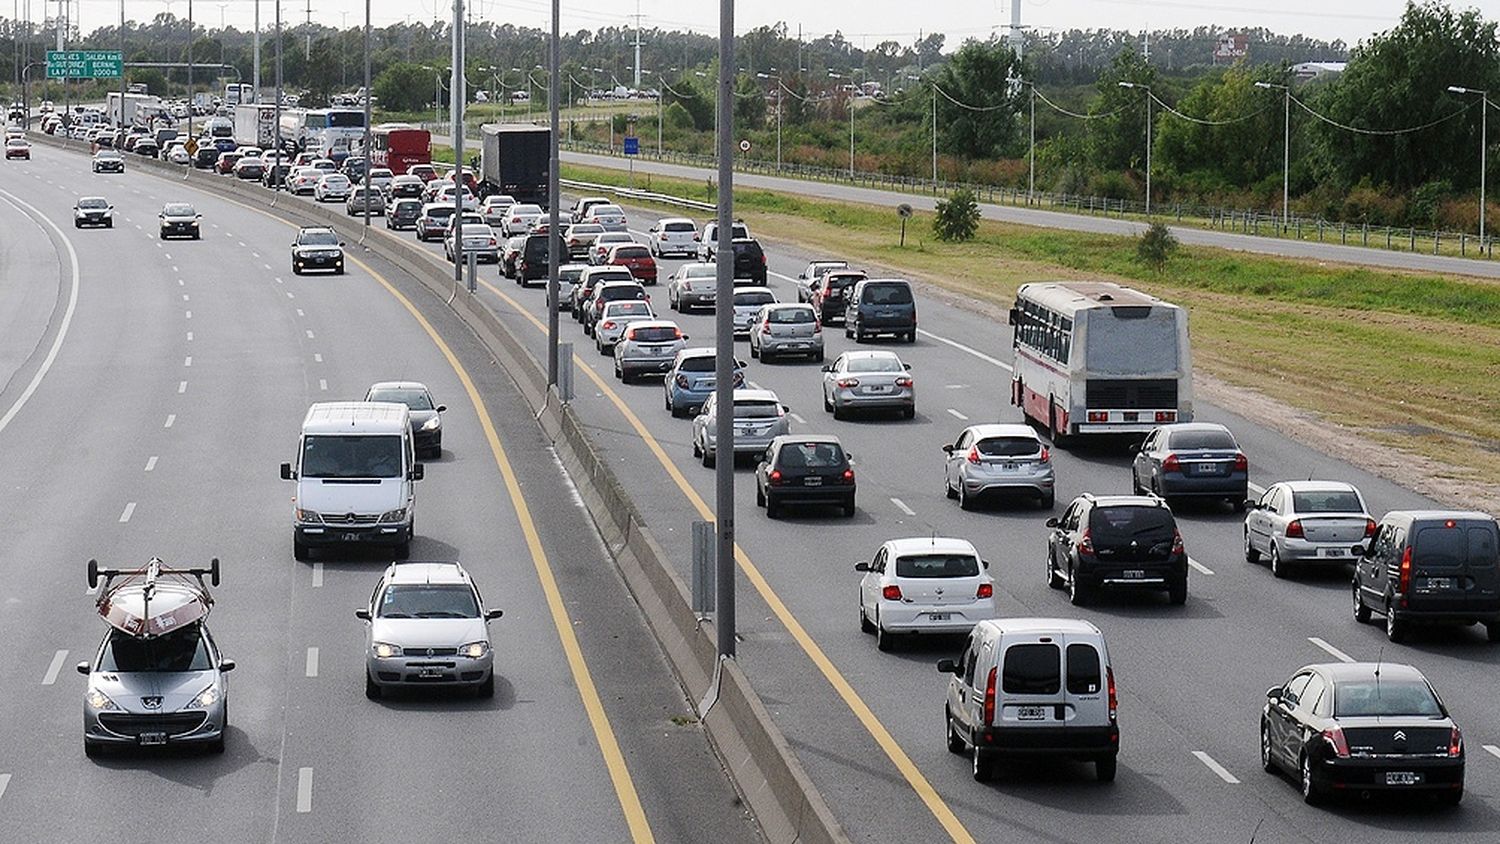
1379 659
1256 831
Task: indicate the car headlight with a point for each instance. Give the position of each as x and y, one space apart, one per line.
432 424
99 701
397 515
206 698
385 650
311 516
474 650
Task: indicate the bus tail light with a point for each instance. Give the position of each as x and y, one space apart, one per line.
1166 416
1098 416
1171 464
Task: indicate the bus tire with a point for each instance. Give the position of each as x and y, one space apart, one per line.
1053 434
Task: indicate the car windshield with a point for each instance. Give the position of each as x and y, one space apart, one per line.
94 202
1008 446
756 409
178 210
351 456
811 456
1327 501
791 316
1202 439
428 600
887 294
875 363
319 239
1366 698
696 363
184 650
1114 525
440 212
937 565
414 399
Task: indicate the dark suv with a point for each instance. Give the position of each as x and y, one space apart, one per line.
802 470
531 264
881 306
749 260
1428 566
1128 541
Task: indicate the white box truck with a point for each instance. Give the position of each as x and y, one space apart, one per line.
255 125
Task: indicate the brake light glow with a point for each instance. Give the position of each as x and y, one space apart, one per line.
1456 743
1166 416
1086 542
848 476
903 382
607 324
1335 738
973 455
1241 462
989 699
1098 416
1046 454
775 477
891 593
986 590
1369 527
1294 529
848 383
1109 681
1405 584
1171 464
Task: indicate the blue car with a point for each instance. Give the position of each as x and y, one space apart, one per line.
1192 460
690 381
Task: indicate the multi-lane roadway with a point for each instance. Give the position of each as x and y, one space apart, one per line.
148 390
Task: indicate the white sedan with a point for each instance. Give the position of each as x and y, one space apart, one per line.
930 585
333 187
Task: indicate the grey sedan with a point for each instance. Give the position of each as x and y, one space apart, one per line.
1196 459
868 380
786 329
759 417
648 347
989 461
1297 523
427 627
694 285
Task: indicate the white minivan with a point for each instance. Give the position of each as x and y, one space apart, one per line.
355 472
1033 687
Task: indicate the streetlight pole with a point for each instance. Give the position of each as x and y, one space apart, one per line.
1147 89
1286 146
1031 151
367 119
456 115
778 114
554 196
190 74
122 64
255 98
1484 118
724 620
276 156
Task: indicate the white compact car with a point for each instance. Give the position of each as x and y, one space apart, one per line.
673 235
924 585
333 187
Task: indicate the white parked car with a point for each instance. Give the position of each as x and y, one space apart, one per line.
333 187
673 235
924 585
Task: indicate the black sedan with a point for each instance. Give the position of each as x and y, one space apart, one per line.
1362 728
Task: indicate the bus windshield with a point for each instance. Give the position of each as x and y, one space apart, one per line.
1138 341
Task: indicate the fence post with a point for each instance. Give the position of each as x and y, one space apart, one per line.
1320 229
1343 233
1365 234
1412 234
1437 238
1463 245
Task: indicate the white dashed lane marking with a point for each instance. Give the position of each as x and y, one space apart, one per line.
128 512
300 313
187 361
304 790
171 417
1492 750
797 418
957 415
181 387
962 348
151 463
4 782
54 667
312 662
1216 767
1335 652
309 334
322 383
1199 566
901 505
318 358
317 575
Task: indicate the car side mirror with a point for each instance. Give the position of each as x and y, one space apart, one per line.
686 337
1053 522
362 613
493 614
442 408
741 364
827 367
1360 551
197 216
786 408
1133 448
226 665
907 366
948 449
948 666
417 471
286 472
83 668
985 563
1251 504
341 243
861 566
1273 694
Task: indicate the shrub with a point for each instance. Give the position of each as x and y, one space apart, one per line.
957 217
1155 247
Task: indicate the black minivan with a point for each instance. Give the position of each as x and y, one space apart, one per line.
881 306
532 263
1430 567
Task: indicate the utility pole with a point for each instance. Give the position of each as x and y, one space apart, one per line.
456 107
255 98
1484 127
724 620
554 197
190 73
367 119
1031 151
934 135
307 53
1286 153
276 156
637 45
1147 89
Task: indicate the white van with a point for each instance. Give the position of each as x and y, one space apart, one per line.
355 472
1033 687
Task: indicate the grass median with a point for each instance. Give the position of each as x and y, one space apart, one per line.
1405 360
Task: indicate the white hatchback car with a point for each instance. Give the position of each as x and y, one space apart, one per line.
427 626
924 585
675 235
747 304
614 319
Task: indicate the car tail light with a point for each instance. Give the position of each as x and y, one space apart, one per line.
1335 738
493 243
1456 743
607 324
1046 455
682 381
1177 546
903 382
891 593
1369 527
775 480
1241 462
677 334
1098 416
1405 570
663 235
1171 464
763 259
986 590
817 326
1114 700
848 383
1294 529
765 327
848 476
973 455
1086 542
989 699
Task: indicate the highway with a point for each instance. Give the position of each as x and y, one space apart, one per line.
867 725
148 391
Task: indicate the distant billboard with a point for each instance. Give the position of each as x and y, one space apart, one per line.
1231 46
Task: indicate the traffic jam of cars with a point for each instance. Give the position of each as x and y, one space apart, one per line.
1092 362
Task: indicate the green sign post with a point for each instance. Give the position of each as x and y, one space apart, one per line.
85 64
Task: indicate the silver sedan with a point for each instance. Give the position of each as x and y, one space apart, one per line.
868 380
1297 523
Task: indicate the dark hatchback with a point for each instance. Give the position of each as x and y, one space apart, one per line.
749 260
403 214
805 470
1362 728
532 263
1117 541
830 296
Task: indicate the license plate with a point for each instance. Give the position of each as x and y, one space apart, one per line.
1402 778
939 616
429 673
1133 574
1205 469
1334 552
878 388
1440 583
351 537
1031 713
148 739
812 481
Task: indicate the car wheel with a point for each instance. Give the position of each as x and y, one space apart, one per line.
827 404
839 412
984 765
864 621
819 356
619 376
1251 555
372 691
760 496
1395 628
885 641
1267 763
1278 568
1078 593
1054 577
955 741
911 337
1451 798
296 270
859 336
339 270
486 689
1105 767
948 490
965 502
1177 592
1311 794
848 332
773 508
77 224
708 461
1238 503
1361 612
1049 500
754 351
908 412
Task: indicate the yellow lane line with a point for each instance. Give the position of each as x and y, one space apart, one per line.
919 783
609 746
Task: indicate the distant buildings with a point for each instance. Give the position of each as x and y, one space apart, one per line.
1314 70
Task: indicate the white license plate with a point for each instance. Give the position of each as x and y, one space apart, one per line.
149 739
939 616
431 672
878 388
1031 713
813 480
1205 469
1334 552
1402 778
1440 583
1133 574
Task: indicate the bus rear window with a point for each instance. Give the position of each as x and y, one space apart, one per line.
1136 345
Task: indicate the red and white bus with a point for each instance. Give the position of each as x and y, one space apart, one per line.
1098 358
399 146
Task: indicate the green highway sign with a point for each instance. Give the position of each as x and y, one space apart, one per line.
84 64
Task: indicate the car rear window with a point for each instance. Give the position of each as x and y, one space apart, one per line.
759 297
631 252
937 565
1438 545
1083 669
440 212
697 363
1384 698
624 291
1202 439
1008 446
627 308
683 226
878 363
839 282
1331 501
811 456
750 249
887 294
756 409
1032 669
655 334
790 316
1112 525
607 210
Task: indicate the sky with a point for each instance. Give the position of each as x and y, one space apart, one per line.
862 21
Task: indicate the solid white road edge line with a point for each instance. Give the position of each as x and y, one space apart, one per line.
304 790
1335 652
55 666
1216 767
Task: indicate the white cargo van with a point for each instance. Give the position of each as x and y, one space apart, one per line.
1033 687
355 474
